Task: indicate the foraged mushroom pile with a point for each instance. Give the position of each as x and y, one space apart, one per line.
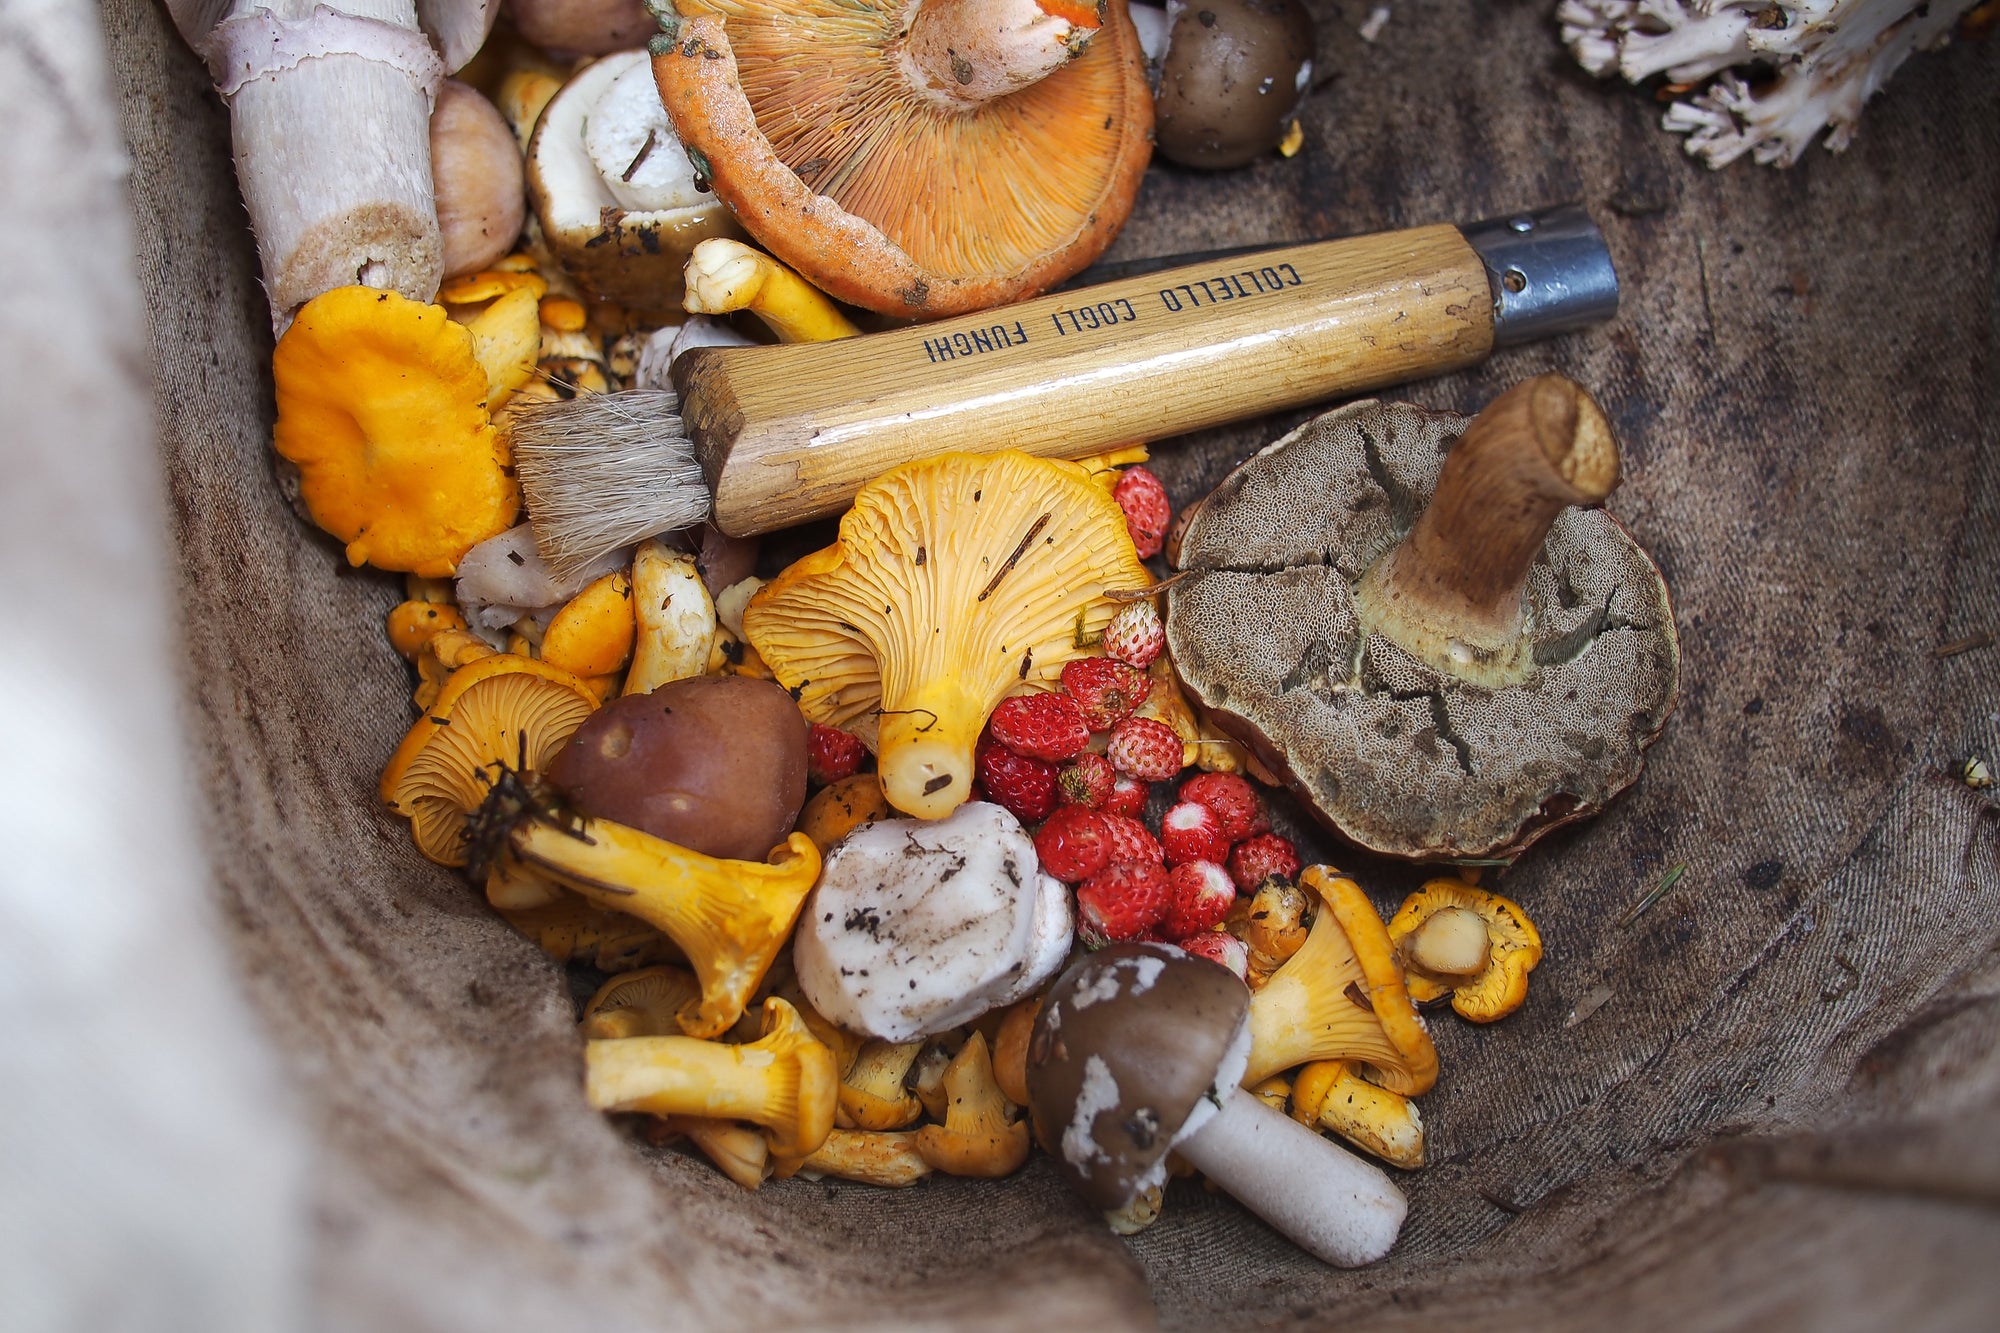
951 838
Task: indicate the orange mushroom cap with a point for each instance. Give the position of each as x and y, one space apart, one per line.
382 405
818 124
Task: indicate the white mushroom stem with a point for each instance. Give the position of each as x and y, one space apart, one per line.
1451 942
965 53
329 112
1327 1201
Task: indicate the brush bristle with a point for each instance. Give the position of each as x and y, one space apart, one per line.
601 471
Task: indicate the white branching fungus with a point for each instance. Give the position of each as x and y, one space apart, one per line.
1762 77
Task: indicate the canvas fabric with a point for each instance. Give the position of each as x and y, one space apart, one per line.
1765 1101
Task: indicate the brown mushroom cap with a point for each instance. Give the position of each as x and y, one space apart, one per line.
1394 753
879 192
1131 1048
1230 76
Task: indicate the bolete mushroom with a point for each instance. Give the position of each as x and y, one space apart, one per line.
618 199
915 159
956 580
1231 74
1404 614
716 764
1138 1051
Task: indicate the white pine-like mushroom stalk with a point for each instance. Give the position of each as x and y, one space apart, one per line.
1773 74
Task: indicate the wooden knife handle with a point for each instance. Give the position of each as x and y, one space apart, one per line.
790 433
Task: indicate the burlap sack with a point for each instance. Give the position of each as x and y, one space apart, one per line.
1769 1100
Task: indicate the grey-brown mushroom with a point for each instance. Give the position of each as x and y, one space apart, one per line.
1137 1052
1415 621
476 174
1230 77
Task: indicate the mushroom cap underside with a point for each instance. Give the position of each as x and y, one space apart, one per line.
1389 752
816 139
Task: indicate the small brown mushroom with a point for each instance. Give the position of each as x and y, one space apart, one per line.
1231 74
1406 615
583 27
476 173
1137 1052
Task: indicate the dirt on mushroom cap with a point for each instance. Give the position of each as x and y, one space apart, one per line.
1391 753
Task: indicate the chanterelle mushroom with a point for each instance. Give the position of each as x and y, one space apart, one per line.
1400 611
1137 1052
838 132
955 581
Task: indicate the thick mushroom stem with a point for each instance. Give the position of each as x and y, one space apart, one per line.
784 1081
729 917
1329 1202
1451 592
329 111
965 53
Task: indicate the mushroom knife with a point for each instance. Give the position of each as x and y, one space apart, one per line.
782 434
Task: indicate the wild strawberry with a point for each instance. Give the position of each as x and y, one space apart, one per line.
1074 844
1123 901
1147 513
1089 781
1234 800
832 754
1145 749
1128 796
1219 946
1200 895
1257 859
1131 842
1041 726
1191 832
1021 784
1105 689
1135 635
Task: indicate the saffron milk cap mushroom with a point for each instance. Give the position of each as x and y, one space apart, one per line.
917 159
1425 625
1137 1052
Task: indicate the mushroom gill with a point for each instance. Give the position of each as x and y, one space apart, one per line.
797 105
955 581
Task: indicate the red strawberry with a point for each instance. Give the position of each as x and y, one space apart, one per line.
1257 859
1131 842
1135 635
1234 800
1074 844
1089 781
832 754
1128 796
1147 513
1105 689
1041 726
1201 895
1191 832
1145 749
1023 785
1123 901
1219 946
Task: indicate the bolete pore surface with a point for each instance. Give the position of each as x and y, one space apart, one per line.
1407 615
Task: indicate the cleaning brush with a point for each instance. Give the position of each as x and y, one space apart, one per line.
760 438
